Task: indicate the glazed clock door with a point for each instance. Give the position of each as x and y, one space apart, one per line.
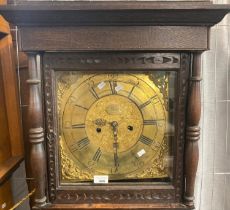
112 123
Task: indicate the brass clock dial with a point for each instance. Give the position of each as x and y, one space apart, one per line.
111 124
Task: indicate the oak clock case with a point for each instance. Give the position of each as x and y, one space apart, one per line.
114 120
133 39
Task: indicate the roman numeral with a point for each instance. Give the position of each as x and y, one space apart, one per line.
94 93
145 104
80 144
130 93
145 140
153 99
81 107
112 87
78 125
97 155
83 143
152 122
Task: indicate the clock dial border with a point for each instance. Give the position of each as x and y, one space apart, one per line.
96 111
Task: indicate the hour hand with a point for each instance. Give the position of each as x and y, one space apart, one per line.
116 163
114 125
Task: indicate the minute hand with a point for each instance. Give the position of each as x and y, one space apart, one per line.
114 125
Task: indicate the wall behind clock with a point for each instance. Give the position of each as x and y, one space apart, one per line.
213 177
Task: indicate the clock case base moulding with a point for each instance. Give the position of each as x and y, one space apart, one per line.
175 206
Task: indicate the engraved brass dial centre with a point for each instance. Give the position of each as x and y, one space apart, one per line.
110 109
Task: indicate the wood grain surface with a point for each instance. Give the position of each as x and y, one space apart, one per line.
109 13
114 38
11 149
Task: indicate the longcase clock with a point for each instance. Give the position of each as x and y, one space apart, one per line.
114 100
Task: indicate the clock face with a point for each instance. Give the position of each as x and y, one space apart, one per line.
112 124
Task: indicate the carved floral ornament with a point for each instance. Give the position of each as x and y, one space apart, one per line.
122 59
111 196
70 171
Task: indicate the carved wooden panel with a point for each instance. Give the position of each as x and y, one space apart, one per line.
112 61
181 116
125 196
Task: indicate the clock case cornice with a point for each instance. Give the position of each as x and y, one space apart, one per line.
98 26
117 13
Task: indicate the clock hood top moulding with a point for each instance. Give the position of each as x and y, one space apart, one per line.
90 13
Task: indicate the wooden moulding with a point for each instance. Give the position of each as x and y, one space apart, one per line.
104 61
175 206
8 167
106 38
56 13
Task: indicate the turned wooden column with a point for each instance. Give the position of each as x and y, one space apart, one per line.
192 130
36 131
